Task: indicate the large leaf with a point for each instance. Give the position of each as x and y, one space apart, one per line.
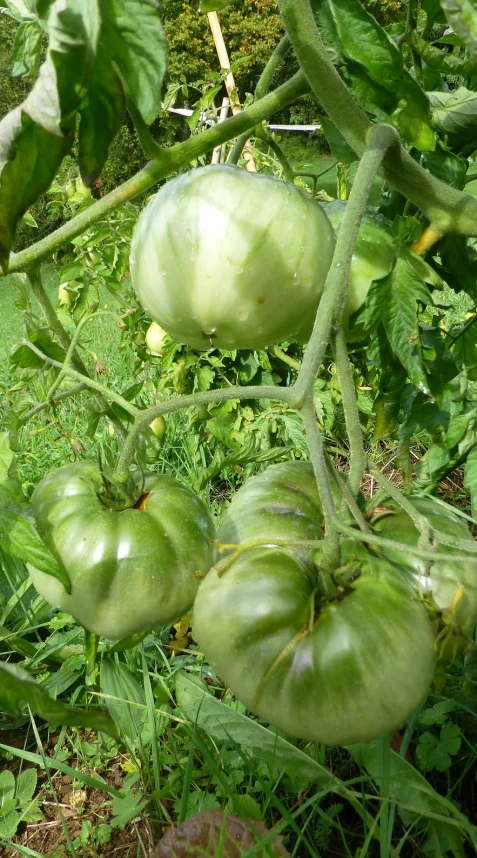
134 40
394 301
18 533
359 41
419 804
455 113
36 136
18 690
101 118
434 12
27 49
462 17
216 833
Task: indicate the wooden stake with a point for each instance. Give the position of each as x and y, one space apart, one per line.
229 80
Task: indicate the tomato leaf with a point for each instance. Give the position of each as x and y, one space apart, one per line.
101 118
340 149
434 12
394 300
462 17
360 41
135 42
213 832
18 690
455 113
18 533
27 49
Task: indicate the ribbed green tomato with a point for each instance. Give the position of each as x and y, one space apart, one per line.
281 503
130 571
336 662
452 585
338 672
225 258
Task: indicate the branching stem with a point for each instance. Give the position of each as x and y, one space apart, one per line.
351 413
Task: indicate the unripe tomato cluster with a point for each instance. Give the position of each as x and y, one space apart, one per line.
222 258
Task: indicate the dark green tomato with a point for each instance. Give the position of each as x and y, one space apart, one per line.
280 503
452 585
130 571
344 671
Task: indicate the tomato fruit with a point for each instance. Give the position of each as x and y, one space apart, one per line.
130 571
343 671
225 258
155 339
158 426
280 503
373 256
338 665
451 585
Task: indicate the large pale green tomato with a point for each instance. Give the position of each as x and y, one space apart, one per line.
225 258
131 570
348 670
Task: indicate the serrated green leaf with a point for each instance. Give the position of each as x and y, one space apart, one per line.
7 786
27 49
26 786
397 299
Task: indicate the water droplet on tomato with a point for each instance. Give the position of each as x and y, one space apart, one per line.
243 314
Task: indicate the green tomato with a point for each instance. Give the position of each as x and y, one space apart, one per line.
155 339
342 671
373 256
130 571
336 664
451 585
158 426
225 258
281 503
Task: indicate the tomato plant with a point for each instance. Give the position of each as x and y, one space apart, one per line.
130 570
228 259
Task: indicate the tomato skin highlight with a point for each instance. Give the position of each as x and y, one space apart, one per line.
224 258
130 571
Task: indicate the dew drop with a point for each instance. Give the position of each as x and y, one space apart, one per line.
243 314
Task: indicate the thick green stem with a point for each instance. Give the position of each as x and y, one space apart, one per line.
331 552
64 339
178 403
348 497
414 550
272 66
449 210
172 160
381 137
351 413
64 394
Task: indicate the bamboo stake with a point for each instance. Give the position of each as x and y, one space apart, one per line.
229 80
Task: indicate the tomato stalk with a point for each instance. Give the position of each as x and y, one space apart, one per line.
351 413
63 337
447 209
